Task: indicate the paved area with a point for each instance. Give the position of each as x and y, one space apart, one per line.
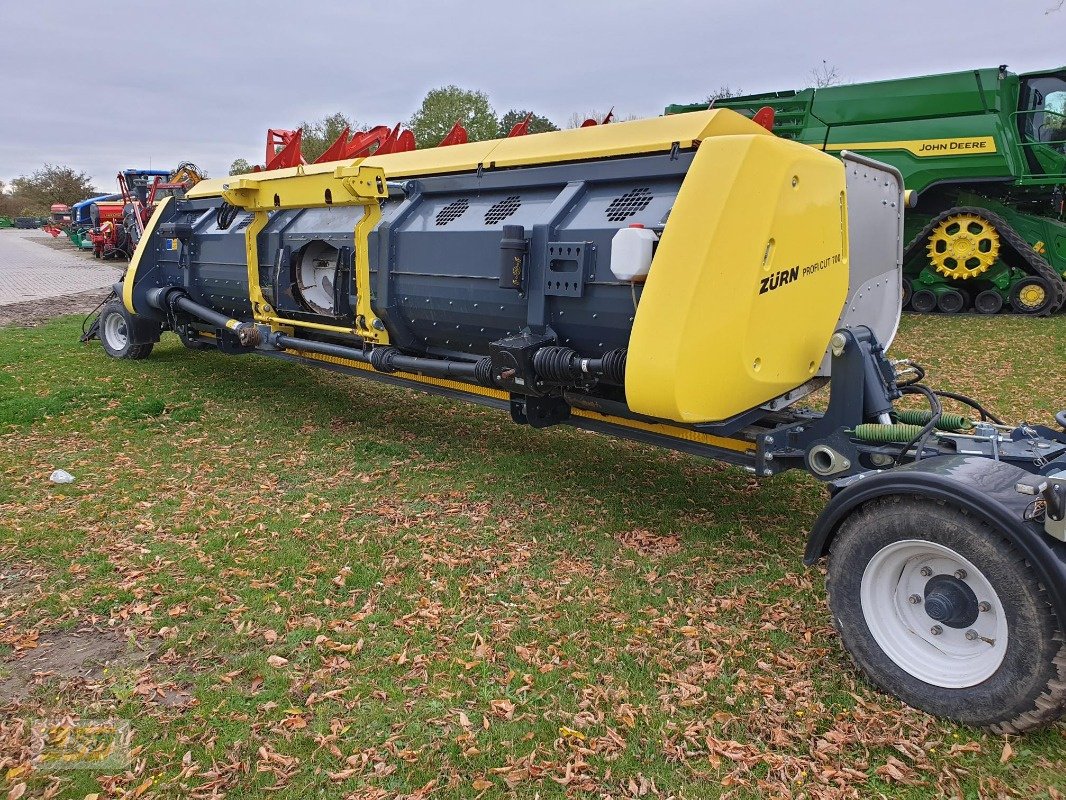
32 268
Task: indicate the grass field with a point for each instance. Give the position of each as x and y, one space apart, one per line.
307 585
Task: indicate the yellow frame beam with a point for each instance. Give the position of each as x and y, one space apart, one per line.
349 185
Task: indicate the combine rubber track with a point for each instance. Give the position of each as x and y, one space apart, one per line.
1034 262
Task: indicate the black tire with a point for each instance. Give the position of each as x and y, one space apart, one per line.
923 301
1020 290
116 331
908 290
952 301
1027 688
988 302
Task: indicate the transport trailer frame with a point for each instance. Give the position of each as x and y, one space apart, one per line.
945 534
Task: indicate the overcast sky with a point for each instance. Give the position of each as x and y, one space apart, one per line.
128 83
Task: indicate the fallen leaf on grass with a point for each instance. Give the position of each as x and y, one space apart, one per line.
504 709
1008 753
277 661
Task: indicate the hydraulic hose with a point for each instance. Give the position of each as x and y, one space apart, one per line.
969 401
934 419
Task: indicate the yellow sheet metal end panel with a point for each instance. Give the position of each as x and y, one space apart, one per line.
655 135
213 187
138 254
746 285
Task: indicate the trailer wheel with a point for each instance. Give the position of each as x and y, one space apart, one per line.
940 610
116 334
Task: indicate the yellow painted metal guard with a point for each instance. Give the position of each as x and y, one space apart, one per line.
747 283
354 184
260 308
138 253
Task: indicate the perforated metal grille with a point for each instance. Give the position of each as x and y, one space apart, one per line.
502 210
454 210
628 204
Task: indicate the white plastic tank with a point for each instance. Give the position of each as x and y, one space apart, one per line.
632 249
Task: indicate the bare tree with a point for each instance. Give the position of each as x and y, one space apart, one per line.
722 92
577 118
827 75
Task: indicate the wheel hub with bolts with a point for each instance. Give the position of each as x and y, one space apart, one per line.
951 601
1033 295
934 613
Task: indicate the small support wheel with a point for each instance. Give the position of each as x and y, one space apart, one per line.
923 301
937 608
116 333
908 291
951 301
1032 295
988 302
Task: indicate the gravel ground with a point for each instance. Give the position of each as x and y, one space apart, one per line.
31 313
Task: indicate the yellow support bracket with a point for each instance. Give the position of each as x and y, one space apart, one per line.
349 185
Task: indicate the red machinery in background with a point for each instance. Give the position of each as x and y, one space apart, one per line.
283 147
59 217
118 225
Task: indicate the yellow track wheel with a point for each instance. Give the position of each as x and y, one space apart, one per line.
963 246
1030 295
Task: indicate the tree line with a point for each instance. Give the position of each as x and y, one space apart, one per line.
33 195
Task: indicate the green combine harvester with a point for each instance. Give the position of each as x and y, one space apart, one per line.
983 154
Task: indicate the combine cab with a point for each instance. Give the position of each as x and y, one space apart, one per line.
984 155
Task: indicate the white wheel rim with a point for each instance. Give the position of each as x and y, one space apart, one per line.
893 596
115 331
